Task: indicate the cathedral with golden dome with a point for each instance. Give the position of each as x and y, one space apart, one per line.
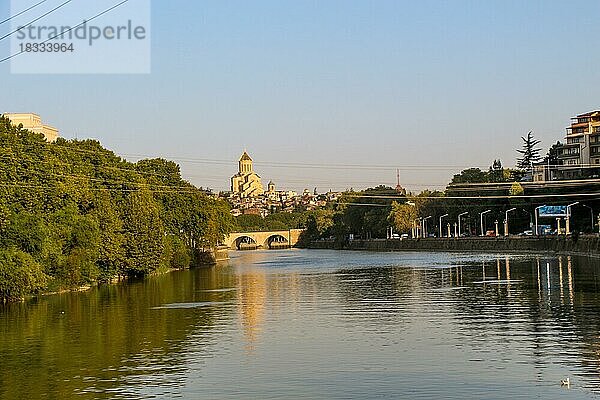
246 183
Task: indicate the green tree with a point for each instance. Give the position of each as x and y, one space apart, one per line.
530 153
553 153
366 213
71 250
319 224
111 250
496 172
20 275
403 216
471 175
26 231
516 189
144 234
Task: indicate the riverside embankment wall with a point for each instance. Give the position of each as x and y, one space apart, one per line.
584 244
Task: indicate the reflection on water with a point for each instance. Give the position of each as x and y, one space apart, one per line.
317 324
252 293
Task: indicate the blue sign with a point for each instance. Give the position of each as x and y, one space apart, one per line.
553 211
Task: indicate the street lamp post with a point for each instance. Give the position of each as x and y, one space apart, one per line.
425 225
481 220
441 229
416 225
459 219
506 220
568 219
537 209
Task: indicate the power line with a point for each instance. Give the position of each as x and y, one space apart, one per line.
363 204
462 187
175 190
466 187
284 164
68 30
278 164
57 162
461 206
22 12
531 196
473 187
35 20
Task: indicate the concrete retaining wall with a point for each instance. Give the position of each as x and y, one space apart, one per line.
211 257
584 244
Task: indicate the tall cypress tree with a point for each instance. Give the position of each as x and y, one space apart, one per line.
530 153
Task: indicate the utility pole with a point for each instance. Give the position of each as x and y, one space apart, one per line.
425 226
506 221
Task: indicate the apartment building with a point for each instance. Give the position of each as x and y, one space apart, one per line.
579 156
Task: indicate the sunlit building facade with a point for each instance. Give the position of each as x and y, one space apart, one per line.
246 183
33 122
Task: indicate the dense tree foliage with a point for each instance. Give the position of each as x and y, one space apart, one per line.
73 213
364 214
495 174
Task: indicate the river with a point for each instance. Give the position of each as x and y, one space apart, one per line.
317 324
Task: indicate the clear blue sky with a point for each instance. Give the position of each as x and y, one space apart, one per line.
412 84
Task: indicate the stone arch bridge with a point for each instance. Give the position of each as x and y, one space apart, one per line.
263 240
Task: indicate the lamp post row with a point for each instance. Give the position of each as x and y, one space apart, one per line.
420 229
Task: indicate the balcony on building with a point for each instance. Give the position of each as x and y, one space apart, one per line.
585 119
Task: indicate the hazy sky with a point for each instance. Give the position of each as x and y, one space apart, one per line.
428 86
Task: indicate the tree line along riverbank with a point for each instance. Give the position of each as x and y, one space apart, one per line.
73 213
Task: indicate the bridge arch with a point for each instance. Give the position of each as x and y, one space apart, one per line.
276 241
245 242
263 240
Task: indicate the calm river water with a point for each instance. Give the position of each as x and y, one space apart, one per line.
317 324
